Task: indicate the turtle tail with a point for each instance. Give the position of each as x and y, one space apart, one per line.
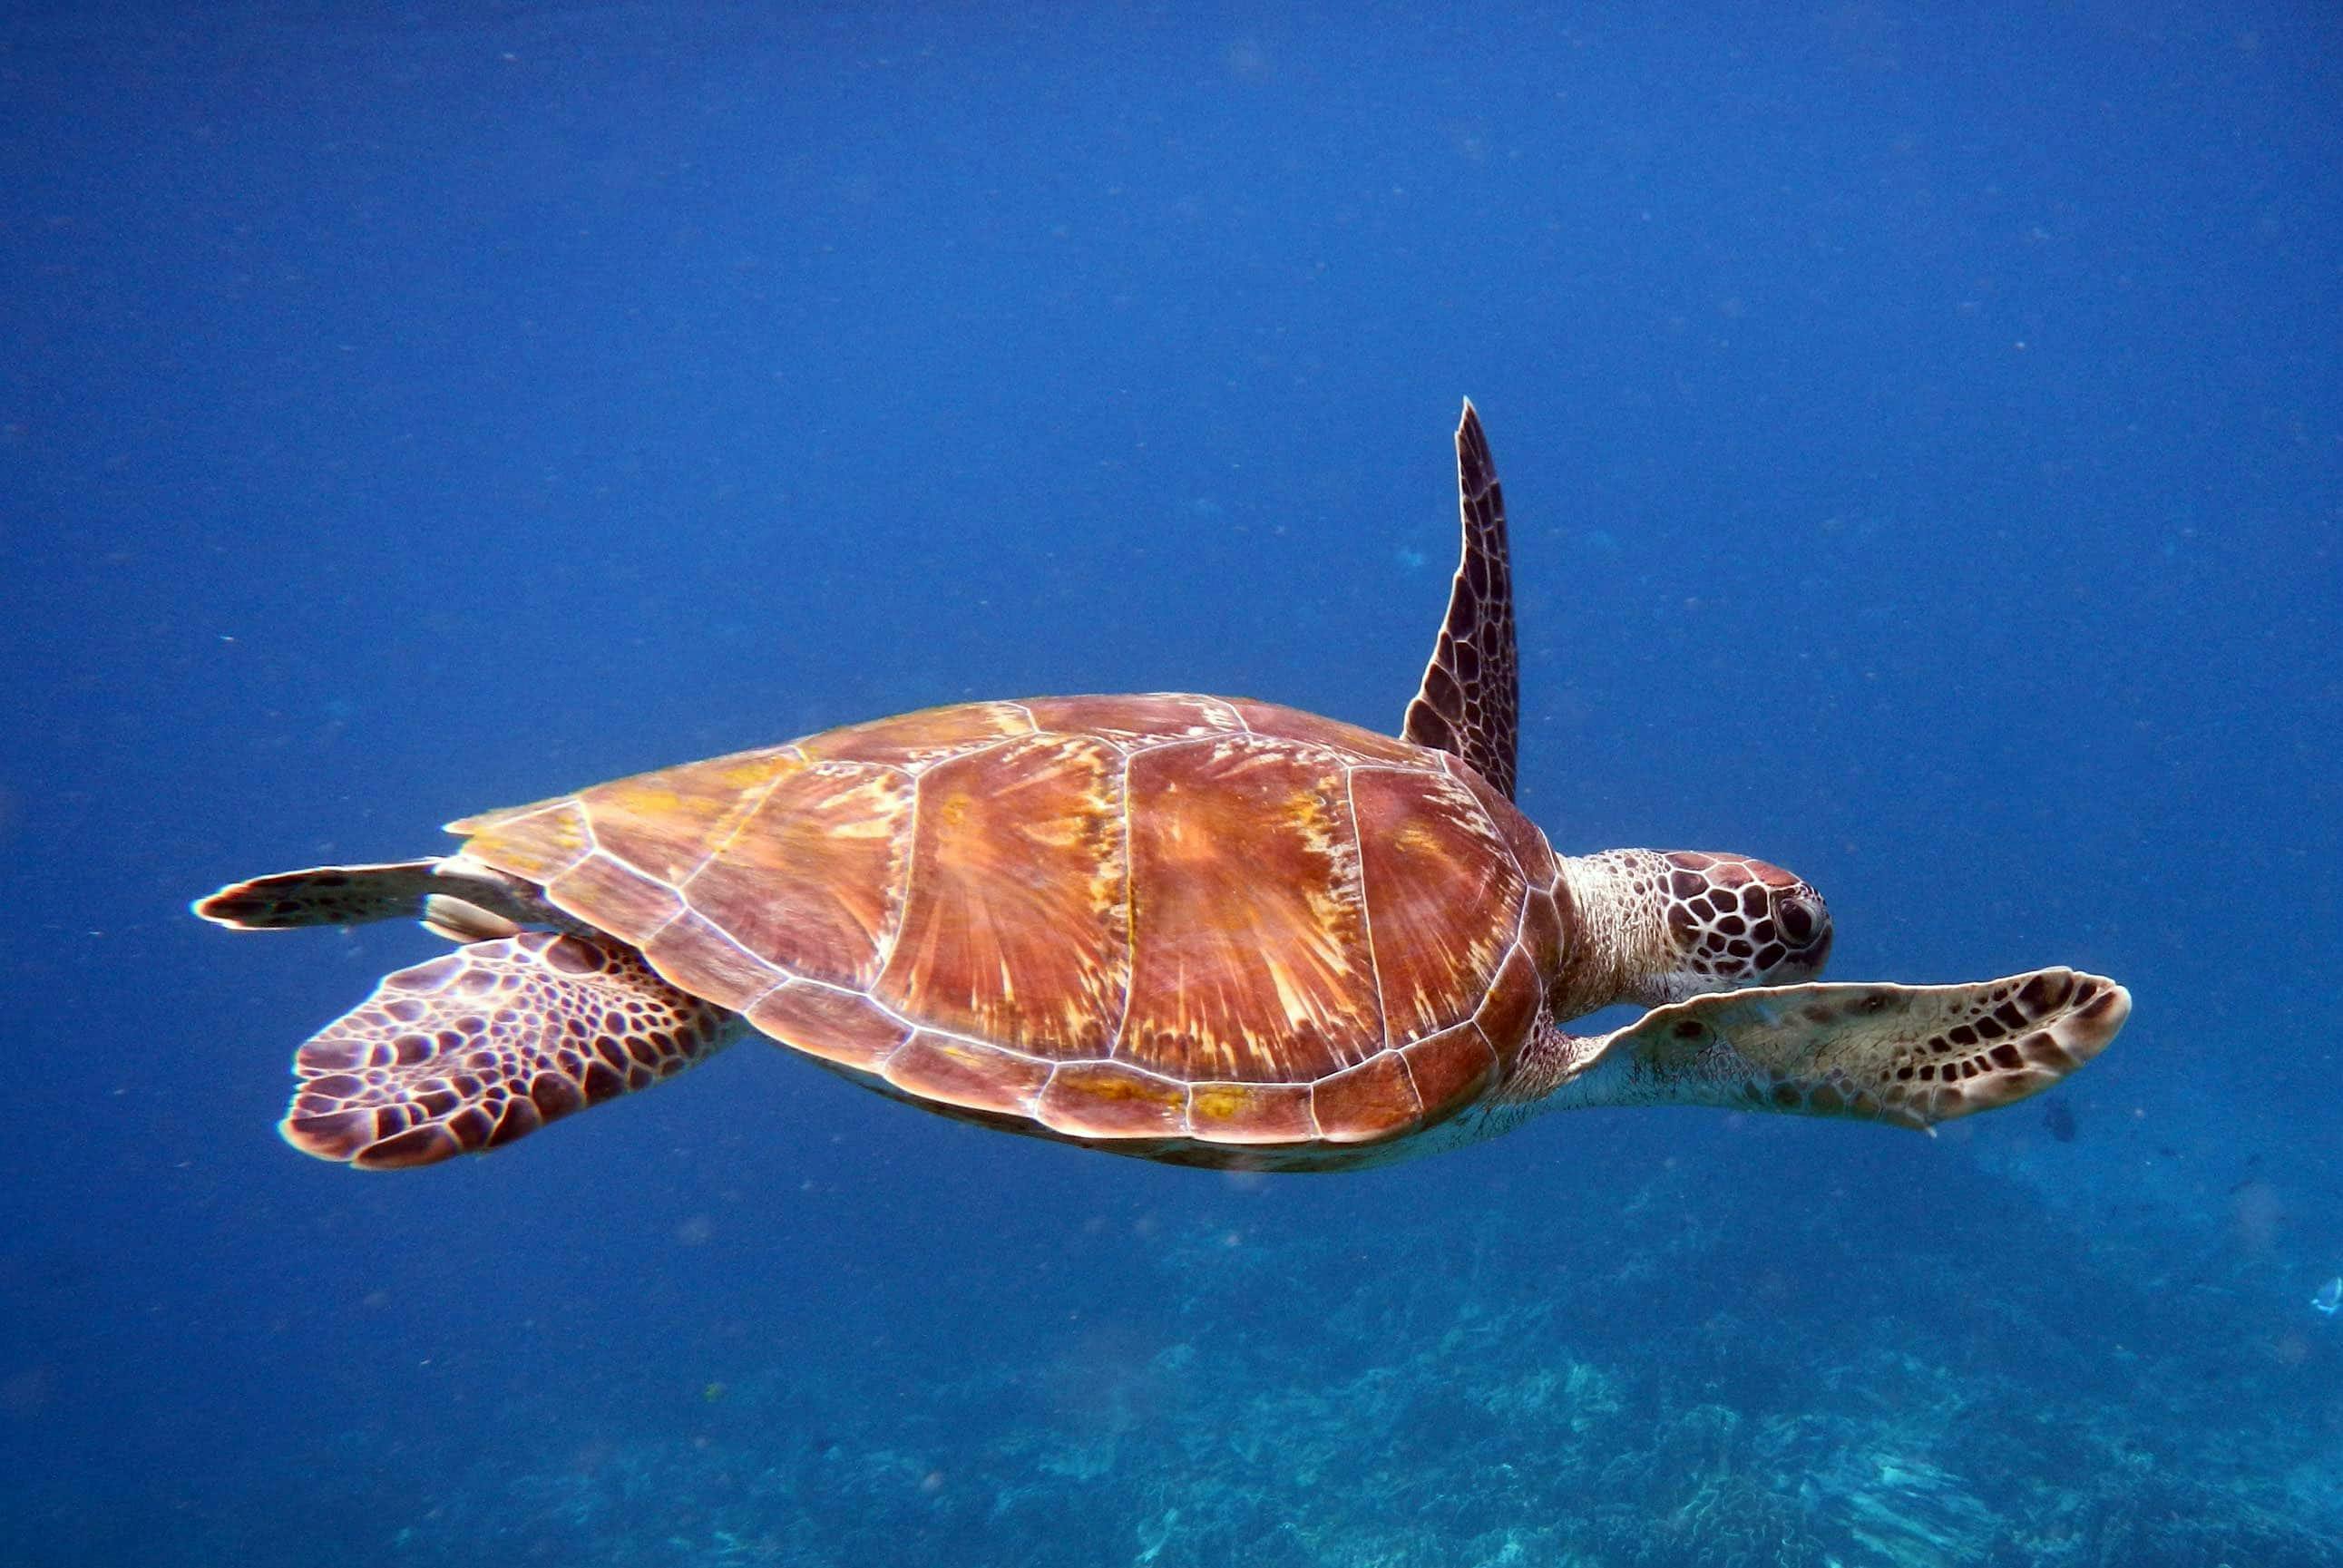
489 1044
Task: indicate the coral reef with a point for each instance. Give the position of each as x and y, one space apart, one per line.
1508 1411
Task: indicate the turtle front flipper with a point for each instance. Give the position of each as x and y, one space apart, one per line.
483 1045
1469 704
1912 1055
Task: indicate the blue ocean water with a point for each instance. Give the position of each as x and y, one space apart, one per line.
1923 429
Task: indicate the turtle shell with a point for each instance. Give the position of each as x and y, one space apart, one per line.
1170 924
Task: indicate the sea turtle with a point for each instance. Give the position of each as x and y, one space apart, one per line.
1195 928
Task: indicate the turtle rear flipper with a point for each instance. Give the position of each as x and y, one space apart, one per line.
357 895
483 1045
1911 1054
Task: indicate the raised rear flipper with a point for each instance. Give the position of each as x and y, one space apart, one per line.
489 1043
1469 704
355 895
1910 1054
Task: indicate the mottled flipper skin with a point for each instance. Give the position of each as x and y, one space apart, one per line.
358 895
1912 1055
490 1042
1469 704
322 896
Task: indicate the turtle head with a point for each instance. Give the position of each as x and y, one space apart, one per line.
1734 922
1659 927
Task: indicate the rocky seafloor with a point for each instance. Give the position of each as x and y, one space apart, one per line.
1453 1396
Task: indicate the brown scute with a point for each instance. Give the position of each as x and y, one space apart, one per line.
1443 687
2044 992
696 957
566 955
912 740
425 977
401 1151
666 823
518 1119
2042 1049
338 1135
1442 897
1451 1071
1374 1100
1107 1100
1015 929
616 898
968 1074
812 881
1249 956
1268 720
537 842
1141 719
1512 1007
1541 936
556 1097
1525 838
834 1025
600 1080
1250 1112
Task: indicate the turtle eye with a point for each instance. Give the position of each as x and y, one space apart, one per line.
1802 924
1799 919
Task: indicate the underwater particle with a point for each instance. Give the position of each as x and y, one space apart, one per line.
2329 1299
713 1393
2256 1212
2059 1118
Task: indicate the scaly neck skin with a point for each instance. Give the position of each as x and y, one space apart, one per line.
1621 950
1648 929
